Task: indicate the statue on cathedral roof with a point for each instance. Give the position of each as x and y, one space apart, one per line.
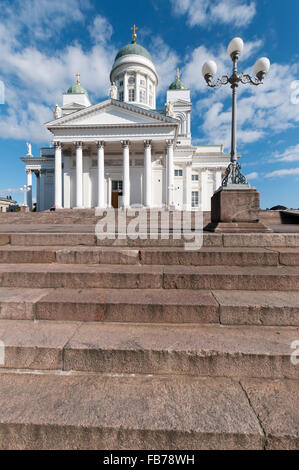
113 91
57 112
29 150
169 111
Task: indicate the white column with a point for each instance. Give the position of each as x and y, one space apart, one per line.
79 175
101 175
42 175
147 173
29 186
126 174
170 174
188 186
126 92
109 195
38 191
58 176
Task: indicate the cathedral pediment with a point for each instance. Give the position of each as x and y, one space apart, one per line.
112 113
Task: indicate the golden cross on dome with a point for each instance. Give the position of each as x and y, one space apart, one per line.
78 78
178 71
134 36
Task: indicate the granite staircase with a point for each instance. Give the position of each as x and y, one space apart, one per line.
142 344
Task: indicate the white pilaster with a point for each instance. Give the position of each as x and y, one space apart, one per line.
79 175
147 173
188 186
101 175
170 174
29 187
58 175
205 206
126 174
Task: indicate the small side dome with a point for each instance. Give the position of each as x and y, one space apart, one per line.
77 88
178 84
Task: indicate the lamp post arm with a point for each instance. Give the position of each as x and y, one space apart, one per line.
217 83
244 78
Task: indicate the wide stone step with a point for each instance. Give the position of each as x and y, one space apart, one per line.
204 350
213 256
74 235
272 308
160 413
108 305
149 277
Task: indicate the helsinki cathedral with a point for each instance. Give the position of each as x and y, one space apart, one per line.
123 152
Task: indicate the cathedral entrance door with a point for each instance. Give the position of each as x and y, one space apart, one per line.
117 187
114 199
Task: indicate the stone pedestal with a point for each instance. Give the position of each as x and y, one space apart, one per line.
24 209
235 208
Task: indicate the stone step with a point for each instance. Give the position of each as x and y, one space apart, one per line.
108 305
142 412
213 256
120 348
149 277
270 308
51 235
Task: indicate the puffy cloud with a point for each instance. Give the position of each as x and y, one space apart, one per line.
262 110
291 154
207 12
165 60
283 172
252 176
32 91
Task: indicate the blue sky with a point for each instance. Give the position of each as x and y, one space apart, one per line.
43 43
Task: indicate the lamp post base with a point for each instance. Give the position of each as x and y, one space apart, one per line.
235 209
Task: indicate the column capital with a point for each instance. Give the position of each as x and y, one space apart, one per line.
57 145
147 143
189 164
28 171
100 144
125 143
78 144
170 143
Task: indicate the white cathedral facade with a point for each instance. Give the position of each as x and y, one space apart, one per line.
123 152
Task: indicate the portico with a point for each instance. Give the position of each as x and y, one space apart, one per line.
95 165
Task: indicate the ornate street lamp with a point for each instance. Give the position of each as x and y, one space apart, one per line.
233 173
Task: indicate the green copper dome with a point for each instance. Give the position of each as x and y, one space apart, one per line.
77 88
134 48
178 85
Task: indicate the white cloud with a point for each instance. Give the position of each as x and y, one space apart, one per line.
252 176
101 30
35 77
263 110
207 12
283 172
165 60
291 154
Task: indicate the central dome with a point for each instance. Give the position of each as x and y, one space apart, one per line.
134 75
134 48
